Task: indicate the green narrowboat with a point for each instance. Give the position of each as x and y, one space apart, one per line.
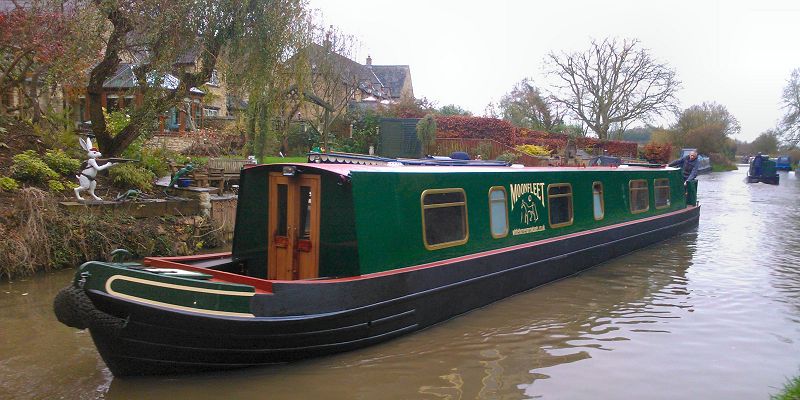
331 256
762 169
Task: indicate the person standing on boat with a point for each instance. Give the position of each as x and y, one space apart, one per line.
688 164
757 161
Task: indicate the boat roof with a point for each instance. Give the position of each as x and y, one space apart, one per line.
347 169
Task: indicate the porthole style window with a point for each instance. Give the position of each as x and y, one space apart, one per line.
661 188
444 218
598 201
559 204
639 196
498 212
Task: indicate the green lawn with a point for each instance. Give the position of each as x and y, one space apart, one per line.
269 160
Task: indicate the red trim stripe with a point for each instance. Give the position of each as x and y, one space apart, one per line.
261 285
265 286
491 252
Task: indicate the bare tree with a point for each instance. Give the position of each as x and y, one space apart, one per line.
790 123
329 80
612 84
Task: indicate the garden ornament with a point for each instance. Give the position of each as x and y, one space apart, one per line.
131 194
178 175
89 169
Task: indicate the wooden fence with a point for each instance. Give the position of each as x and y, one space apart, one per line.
488 149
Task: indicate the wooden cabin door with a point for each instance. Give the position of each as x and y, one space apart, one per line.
293 227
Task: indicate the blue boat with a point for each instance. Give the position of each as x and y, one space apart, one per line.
783 163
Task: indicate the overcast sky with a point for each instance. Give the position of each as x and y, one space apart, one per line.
737 53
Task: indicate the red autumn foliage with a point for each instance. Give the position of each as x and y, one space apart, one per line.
31 34
506 133
458 126
658 153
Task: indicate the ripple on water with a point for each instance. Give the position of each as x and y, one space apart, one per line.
712 314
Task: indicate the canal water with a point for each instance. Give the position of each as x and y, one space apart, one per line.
711 314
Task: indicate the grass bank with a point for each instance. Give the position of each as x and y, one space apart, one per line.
723 167
791 391
39 235
270 160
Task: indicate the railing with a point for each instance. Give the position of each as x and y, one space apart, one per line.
474 147
229 166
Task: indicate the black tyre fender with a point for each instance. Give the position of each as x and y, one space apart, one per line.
74 308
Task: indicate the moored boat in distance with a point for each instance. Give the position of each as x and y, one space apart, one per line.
333 256
783 163
762 169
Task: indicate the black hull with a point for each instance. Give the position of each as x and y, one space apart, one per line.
337 317
772 180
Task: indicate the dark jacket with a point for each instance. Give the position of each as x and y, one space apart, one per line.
688 166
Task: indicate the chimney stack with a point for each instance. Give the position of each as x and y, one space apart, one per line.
369 61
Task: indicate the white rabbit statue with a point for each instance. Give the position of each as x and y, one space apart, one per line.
89 169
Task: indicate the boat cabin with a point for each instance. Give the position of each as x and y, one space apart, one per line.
322 221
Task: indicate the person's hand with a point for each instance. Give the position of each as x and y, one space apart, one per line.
685 182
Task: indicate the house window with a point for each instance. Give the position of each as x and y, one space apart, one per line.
214 81
661 188
498 212
559 204
112 103
444 218
130 102
640 196
597 200
211 112
172 119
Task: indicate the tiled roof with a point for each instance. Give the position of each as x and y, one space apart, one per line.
348 69
393 77
124 78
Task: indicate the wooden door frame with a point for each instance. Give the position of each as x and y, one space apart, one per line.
293 221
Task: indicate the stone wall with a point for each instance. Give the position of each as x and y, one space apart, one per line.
170 142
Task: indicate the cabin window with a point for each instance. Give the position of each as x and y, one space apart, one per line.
498 212
444 218
283 202
661 188
305 212
559 204
640 196
597 200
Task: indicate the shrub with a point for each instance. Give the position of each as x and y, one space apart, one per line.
129 176
8 184
215 143
116 121
60 162
28 167
55 185
657 153
508 157
426 133
155 160
533 150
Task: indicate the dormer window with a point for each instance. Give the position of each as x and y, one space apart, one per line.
214 81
